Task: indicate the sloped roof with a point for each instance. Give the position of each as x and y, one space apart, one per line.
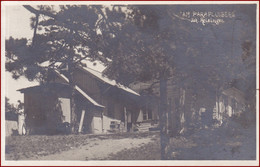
103 78
80 91
48 63
97 74
45 87
58 87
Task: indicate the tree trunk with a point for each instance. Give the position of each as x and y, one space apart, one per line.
71 69
173 118
73 115
170 120
177 115
182 111
35 28
164 139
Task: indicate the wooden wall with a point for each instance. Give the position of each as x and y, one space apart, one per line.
43 113
88 83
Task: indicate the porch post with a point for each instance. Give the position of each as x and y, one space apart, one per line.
102 121
125 116
81 120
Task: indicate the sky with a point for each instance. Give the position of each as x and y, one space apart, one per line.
17 25
17 22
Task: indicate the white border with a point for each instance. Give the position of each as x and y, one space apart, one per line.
132 163
3 89
257 83
122 2
121 163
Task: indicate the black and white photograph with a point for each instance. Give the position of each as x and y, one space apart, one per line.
125 83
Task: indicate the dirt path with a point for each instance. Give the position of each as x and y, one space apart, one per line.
96 149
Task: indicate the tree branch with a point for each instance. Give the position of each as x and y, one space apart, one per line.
39 12
35 29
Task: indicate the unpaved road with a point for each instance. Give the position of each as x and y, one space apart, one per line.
96 149
222 143
74 147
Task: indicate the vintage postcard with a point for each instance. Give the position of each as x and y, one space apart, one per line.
130 83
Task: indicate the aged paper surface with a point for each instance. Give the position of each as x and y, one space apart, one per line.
130 83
